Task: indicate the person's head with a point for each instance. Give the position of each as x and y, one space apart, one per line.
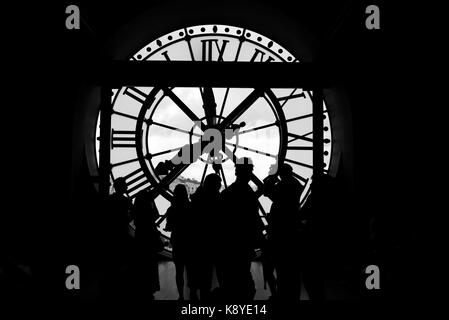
120 185
285 171
273 169
244 169
180 194
212 183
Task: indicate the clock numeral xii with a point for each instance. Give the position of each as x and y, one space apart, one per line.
208 47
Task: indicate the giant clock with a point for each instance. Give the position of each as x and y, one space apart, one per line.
150 126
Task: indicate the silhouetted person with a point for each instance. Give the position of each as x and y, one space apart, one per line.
148 244
206 204
116 238
312 238
268 268
241 234
118 216
316 235
179 216
283 232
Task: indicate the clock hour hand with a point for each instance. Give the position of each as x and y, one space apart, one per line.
209 105
170 175
187 154
233 130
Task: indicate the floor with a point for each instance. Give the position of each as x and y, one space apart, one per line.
169 291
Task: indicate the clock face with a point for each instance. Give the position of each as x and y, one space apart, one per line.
151 126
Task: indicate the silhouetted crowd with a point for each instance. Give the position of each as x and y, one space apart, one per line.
215 238
215 234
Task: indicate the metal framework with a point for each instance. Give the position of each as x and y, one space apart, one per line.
224 74
117 74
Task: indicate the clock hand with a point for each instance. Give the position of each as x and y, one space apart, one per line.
189 113
223 104
241 108
254 178
218 168
169 178
252 150
209 105
177 165
233 130
205 169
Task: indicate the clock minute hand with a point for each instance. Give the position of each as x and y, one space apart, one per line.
209 105
241 108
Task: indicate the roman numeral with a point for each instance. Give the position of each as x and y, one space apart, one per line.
300 178
165 54
303 148
292 96
123 139
300 117
258 56
210 45
136 94
298 137
125 115
135 180
299 148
